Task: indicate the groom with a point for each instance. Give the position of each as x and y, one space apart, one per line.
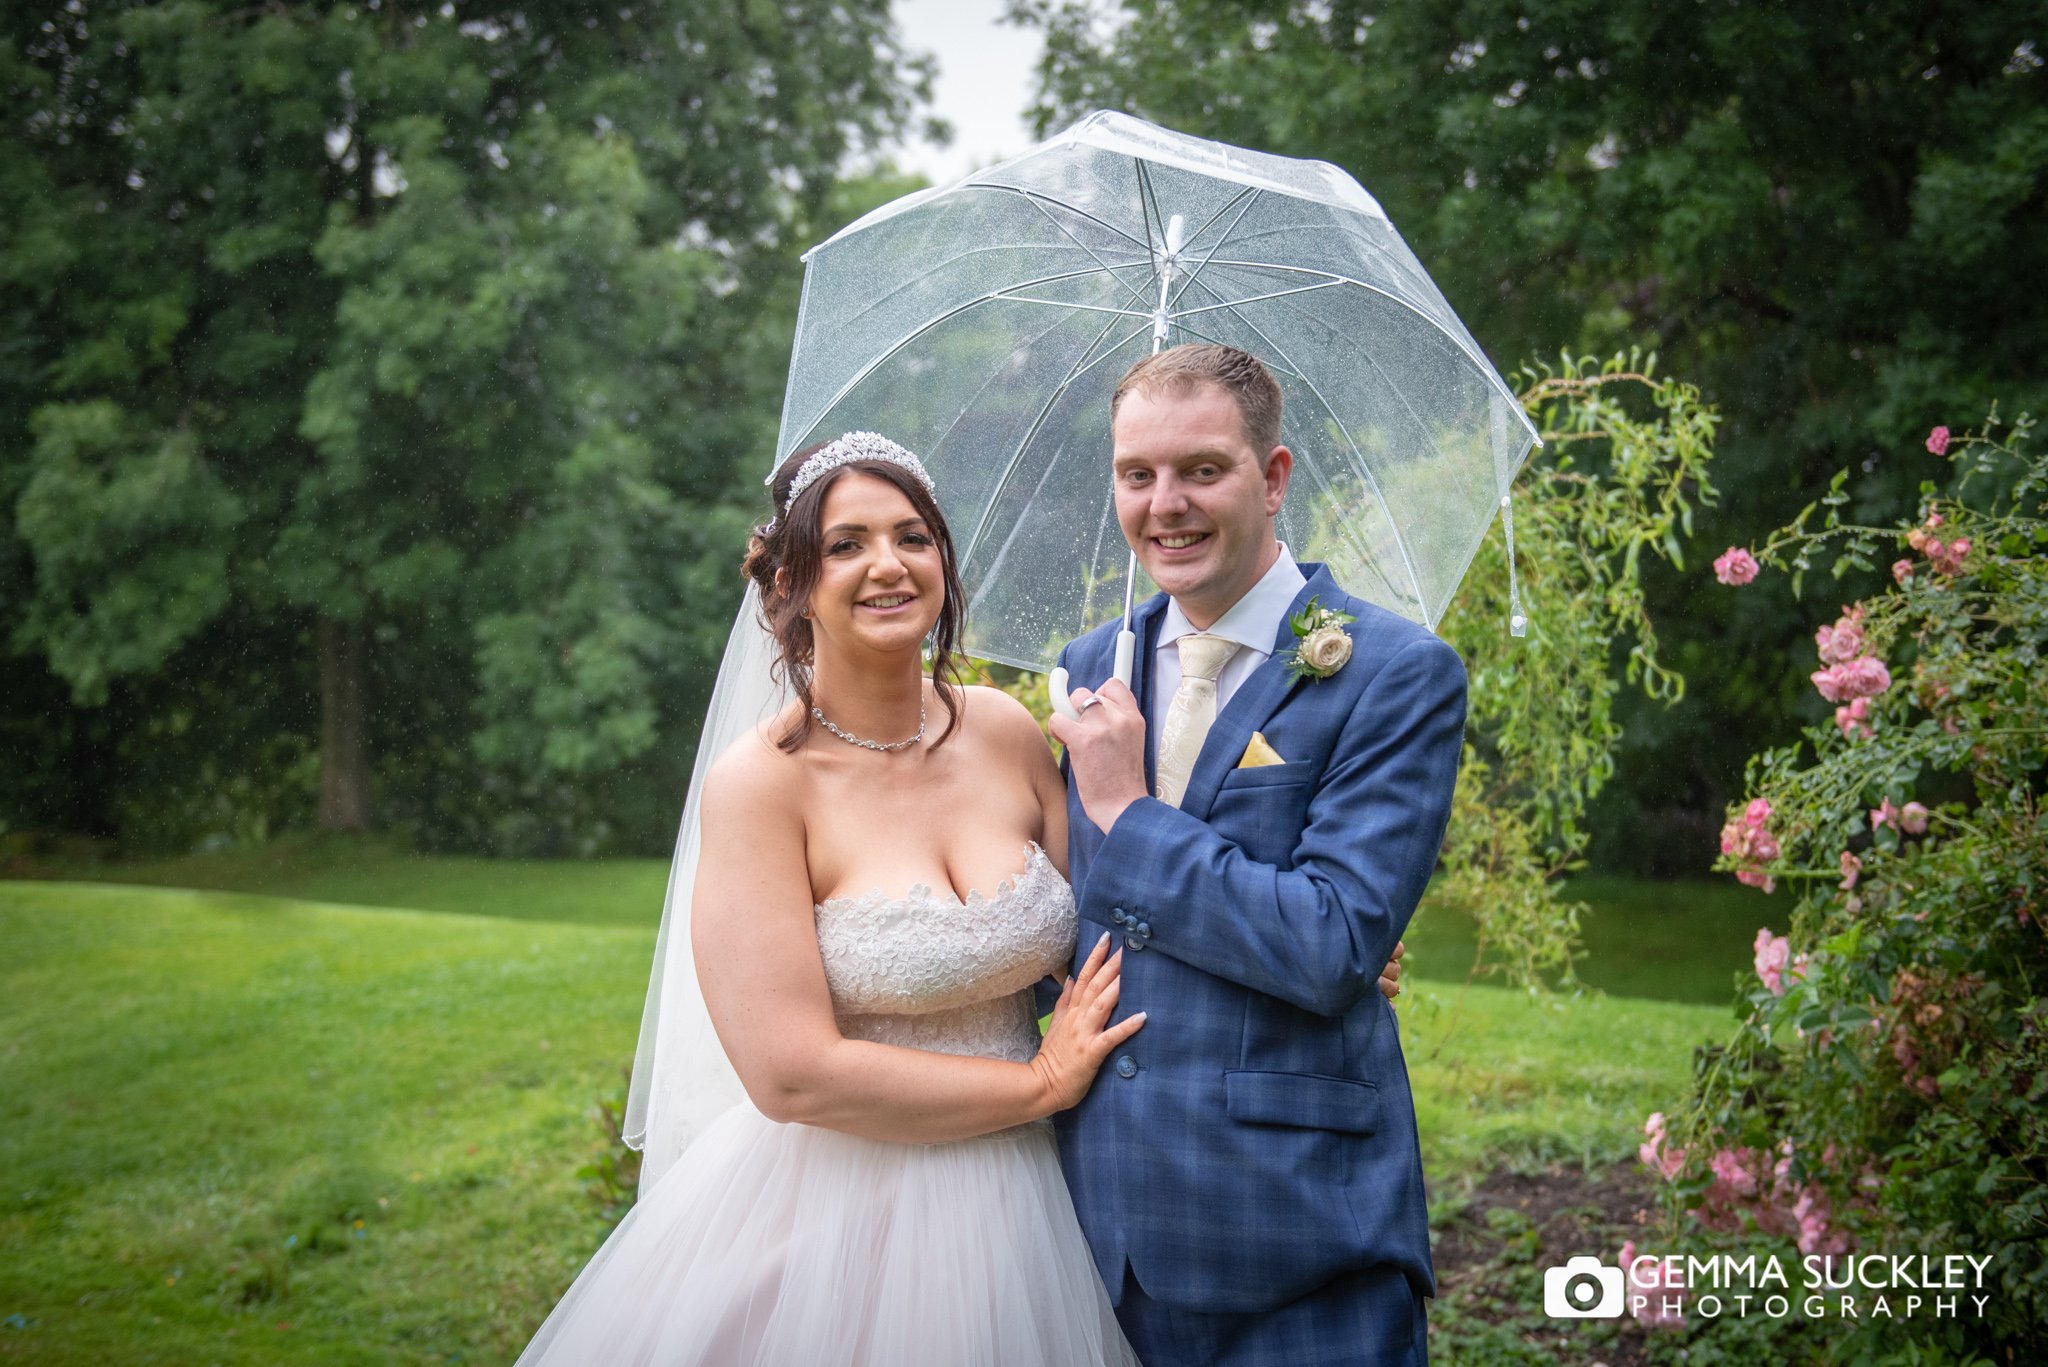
1256 838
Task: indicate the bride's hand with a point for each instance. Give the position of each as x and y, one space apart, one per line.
1080 1037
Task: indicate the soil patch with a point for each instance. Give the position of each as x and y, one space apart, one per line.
1491 1255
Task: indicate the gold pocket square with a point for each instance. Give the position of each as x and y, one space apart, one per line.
1259 754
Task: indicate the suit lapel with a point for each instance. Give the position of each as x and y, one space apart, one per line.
1253 705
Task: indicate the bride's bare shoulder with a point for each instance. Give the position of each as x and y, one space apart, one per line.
756 773
999 719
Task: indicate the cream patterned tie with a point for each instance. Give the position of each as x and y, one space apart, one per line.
1192 711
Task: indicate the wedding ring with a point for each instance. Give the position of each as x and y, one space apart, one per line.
1093 699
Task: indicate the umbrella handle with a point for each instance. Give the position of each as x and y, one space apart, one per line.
1057 687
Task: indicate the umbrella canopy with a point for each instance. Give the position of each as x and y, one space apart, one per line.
985 324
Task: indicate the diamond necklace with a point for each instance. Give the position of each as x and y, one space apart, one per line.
852 739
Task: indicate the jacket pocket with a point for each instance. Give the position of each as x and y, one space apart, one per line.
1303 1100
1266 776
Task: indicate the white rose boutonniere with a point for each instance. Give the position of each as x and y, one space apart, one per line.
1324 647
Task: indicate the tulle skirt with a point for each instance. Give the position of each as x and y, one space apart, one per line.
787 1244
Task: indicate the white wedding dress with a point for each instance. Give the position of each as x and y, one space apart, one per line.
779 1244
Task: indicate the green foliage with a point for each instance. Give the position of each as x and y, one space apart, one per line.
1623 467
464 325
612 1176
1894 1062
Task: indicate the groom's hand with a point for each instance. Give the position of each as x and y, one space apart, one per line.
1106 748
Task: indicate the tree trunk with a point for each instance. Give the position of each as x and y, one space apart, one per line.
344 752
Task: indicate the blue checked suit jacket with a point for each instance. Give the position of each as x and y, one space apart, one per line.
1257 1138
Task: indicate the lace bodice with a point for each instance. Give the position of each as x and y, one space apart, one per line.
926 970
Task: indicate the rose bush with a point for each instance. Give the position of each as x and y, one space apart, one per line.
1888 1088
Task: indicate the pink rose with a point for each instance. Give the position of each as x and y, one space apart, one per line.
1773 952
1937 441
1748 841
1853 719
1843 641
1949 559
1902 570
1735 567
1655 1152
1912 819
1867 676
1884 813
1852 869
1731 1169
1863 677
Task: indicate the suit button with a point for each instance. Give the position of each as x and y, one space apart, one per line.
1145 929
1119 916
1134 941
1126 1066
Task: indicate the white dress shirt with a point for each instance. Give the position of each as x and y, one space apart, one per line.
1253 621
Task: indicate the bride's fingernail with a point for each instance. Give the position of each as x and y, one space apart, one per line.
1103 941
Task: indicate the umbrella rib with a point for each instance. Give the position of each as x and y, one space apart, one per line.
1135 293
1414 582
1037 195
1255 299
1074 372
1155 225
1079 308
1479 362
1271 364
1250 196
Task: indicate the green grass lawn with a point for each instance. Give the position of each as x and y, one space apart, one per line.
239 1129
243 1128
1680 941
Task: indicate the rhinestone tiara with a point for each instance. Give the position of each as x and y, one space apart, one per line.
846 450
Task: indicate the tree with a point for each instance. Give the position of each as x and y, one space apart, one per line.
415 352
1830 219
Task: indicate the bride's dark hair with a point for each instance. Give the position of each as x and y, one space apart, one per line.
783 560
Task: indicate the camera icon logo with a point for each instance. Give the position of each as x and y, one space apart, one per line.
1583 1289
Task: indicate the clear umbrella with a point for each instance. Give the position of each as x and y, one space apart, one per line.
985 324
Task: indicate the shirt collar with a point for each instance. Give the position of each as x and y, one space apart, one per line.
1253 621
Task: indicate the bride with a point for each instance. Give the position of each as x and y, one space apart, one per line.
880 885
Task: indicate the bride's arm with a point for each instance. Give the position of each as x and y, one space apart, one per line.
1025 747
1052 797
756 947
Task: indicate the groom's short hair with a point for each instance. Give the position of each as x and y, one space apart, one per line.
1177 370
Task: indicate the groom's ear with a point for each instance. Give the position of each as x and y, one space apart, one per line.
1279 468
